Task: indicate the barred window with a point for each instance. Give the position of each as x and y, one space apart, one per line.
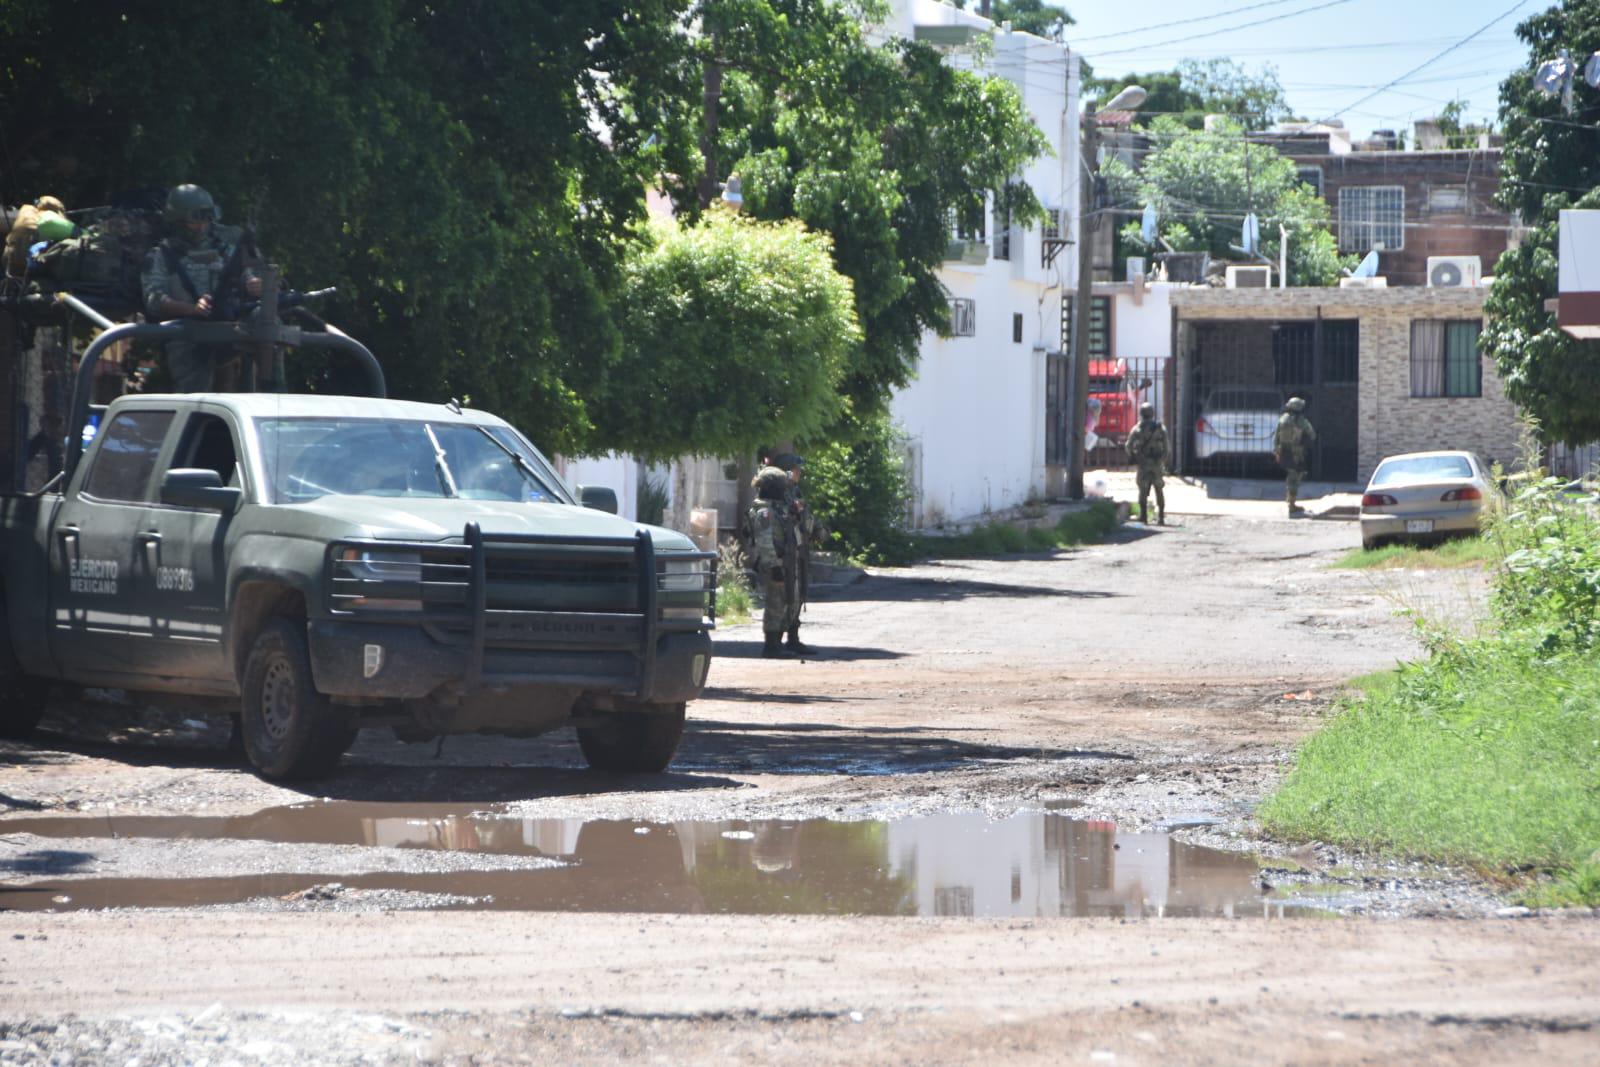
1445 360
963 317
1372 217
1099 326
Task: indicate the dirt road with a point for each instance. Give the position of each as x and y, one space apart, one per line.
1085 704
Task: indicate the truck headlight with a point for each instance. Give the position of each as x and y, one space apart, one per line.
683 584
396 578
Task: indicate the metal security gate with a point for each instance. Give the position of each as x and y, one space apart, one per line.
1117 388
1234 378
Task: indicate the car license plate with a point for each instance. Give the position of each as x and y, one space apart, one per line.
1419 526
1244 429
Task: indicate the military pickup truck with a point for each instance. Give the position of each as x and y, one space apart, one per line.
318 564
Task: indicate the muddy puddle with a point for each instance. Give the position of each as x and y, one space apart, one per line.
1031 864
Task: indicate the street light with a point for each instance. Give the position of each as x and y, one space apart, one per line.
1128 99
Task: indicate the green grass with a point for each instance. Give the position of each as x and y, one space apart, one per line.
1485 755
1461 552
999 538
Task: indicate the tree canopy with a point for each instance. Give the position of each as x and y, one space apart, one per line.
1551 162
1197 88
472 176
1030 16
734 329
1204 183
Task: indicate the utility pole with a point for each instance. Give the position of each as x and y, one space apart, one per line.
1081 310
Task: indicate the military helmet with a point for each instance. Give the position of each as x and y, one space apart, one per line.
771 483
1295 404
1147 411
190 203
787 461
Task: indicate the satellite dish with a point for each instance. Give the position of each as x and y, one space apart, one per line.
1554 75
1368 267
1591 71
1147 225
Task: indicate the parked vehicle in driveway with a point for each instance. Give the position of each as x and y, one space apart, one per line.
1119 397
1237 420
1424 497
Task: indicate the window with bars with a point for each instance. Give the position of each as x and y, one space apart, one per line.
1099 326
967 226
1445 360
1002 229
963 317
1050 236
1372 217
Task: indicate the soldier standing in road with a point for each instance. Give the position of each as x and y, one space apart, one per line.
1149 450
188 276
773 543
1291 447
807 532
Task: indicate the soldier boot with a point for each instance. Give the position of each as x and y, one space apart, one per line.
773 647
794 645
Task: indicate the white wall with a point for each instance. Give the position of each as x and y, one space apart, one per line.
620 474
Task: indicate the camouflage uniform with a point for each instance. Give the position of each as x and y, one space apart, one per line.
1291 447
185 267
807 531
773 546
1149 450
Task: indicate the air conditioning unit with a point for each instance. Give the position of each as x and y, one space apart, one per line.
1249 277
1453 272
1364 283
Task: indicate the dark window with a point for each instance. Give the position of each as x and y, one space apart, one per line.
1016 328
208 444
1311 176
1445 360
1099 326
127 455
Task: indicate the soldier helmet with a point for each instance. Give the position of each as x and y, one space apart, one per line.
771 483
787 461
1147 411
190 203
1295 404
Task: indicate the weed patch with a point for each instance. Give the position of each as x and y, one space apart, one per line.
1461 552
999 538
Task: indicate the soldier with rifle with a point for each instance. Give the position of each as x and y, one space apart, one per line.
807 532
201 270
773 546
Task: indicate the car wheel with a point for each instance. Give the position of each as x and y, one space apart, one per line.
22 698
639 741
290 730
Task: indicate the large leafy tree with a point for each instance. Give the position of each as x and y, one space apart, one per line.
1030 16
1204 183
874 145
1551 162
734 331
468 175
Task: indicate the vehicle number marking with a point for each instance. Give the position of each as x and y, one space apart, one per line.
177 579
1419 526
97 577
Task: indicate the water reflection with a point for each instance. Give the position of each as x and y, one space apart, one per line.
1033 864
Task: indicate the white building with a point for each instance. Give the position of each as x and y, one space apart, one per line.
975 414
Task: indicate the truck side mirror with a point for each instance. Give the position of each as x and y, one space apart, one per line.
198 487
598 497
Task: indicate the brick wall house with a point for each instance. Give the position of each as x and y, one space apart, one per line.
1420 383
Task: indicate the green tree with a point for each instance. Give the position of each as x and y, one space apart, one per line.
1457 131
1030 16
1197 88
734 329
1204 183
873 145
1551 162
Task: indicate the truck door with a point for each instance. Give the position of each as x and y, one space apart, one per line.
187 561
101 623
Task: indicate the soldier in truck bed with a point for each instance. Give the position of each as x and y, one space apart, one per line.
192 274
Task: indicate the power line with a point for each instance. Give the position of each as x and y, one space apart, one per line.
1426 62
1227 29
1182 22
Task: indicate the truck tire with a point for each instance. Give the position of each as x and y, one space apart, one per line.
290 730
638 741
22 699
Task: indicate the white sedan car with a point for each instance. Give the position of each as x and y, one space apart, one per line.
1425 496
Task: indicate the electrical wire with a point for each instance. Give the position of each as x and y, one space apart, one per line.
1226 29
1184 22
1427 62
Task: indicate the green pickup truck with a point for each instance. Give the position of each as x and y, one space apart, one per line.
323 563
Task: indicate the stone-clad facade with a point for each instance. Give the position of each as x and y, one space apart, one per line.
1390 419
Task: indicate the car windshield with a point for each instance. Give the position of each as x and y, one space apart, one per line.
308 458
1403 470
1106 385
1244 400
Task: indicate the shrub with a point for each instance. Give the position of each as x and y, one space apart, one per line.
858 489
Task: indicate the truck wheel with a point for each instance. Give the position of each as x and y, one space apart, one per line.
290 729
641 741
22 699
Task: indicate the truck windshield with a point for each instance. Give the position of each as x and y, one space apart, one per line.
308 458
